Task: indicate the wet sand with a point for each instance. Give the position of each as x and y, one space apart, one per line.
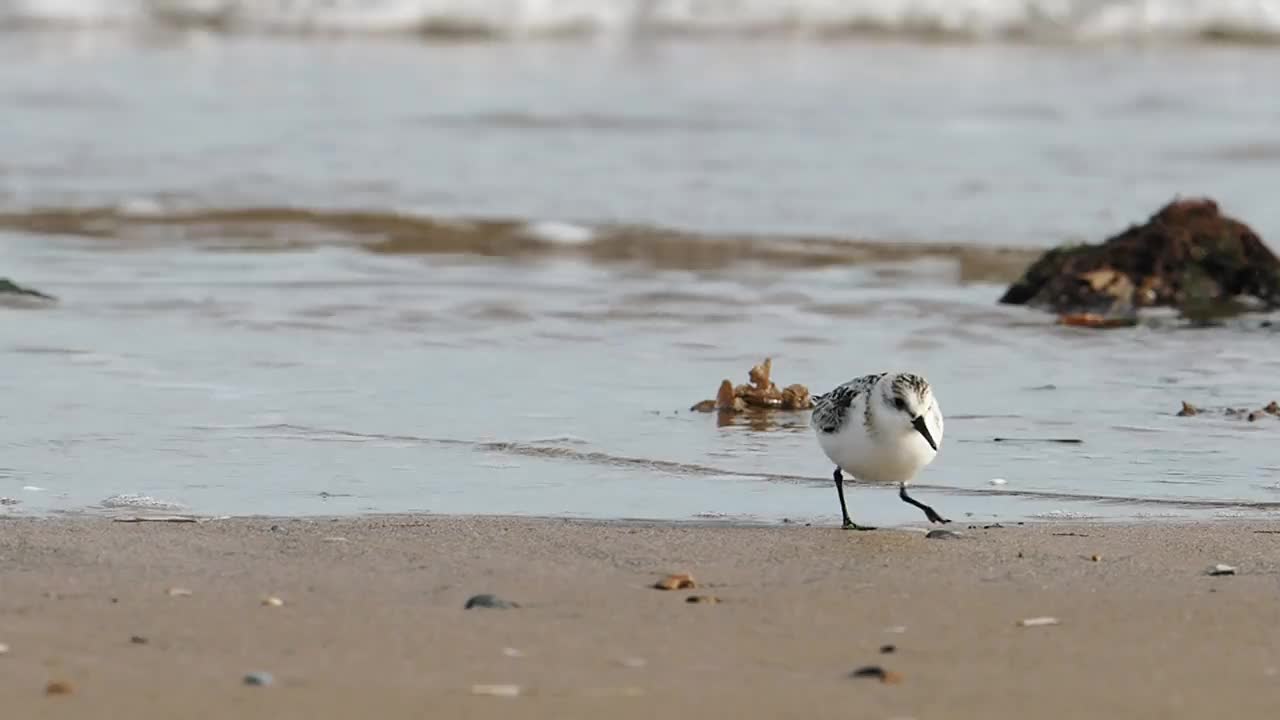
373 624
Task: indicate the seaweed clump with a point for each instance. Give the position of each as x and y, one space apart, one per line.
1187 256
10 288
760 394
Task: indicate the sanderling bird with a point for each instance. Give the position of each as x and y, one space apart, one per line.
881 428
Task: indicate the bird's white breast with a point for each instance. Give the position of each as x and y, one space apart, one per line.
891 453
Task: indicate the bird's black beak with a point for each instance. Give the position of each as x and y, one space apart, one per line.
923 429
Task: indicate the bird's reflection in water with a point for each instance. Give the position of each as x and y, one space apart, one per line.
761 420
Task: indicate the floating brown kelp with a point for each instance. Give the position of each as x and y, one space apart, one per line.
1270 409
1187 256
760 394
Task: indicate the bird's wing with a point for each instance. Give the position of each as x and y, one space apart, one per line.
830 409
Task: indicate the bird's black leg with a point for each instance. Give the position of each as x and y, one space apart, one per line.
844 511
928 511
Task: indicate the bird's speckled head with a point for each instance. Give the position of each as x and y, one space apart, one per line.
912 406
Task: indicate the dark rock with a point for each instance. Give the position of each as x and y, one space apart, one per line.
943 535
868 671
1187 256
138 640
489 601
886 649
8 287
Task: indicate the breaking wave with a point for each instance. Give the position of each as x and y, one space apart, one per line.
1214 20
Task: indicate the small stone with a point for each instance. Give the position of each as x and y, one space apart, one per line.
138 640
179 592
706 599
58 687
512 652
1095 558
887 649
272 601
943 535
278 529
678 581
4 649
259 679
1038 621
490 601
1221 569
496 690
887 677
1187 409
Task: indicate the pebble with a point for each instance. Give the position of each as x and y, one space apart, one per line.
943 535
487 600
179 592
496 690
875 671
1038 621
512 652
259 679
678 581
4 649
1221 569
138 640
886 649
708 599
272 601
58 687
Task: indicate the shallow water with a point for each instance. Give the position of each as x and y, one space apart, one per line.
231 338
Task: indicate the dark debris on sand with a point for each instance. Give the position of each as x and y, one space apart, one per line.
490 601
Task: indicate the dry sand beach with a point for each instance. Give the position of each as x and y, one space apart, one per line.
373 623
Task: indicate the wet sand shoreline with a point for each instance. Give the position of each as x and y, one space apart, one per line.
373 620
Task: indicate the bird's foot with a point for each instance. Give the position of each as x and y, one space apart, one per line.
851 525
934 517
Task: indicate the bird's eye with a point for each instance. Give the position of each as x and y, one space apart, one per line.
900 403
